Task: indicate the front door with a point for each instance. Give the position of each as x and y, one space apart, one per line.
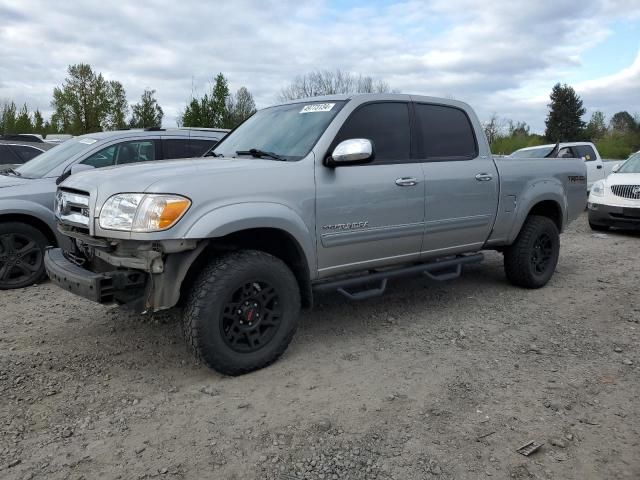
371 215
461 186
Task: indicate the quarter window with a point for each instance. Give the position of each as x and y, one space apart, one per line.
445 133
386 125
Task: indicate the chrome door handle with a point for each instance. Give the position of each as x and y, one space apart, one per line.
484 177
406 182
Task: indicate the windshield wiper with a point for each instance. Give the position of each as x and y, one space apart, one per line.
254 152
11 171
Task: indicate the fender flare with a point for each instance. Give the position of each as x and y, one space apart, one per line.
548 189
234 218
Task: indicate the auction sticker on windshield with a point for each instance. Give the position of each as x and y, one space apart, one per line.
317 107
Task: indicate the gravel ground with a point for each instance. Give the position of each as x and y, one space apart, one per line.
433 380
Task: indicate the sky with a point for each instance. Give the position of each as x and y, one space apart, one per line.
501 56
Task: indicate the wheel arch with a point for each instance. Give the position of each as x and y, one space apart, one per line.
274 241
33 221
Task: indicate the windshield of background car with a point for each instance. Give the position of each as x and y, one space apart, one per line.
289 131
632 165
44 163
533 153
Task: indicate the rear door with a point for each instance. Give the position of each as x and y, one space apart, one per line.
371 215
461 187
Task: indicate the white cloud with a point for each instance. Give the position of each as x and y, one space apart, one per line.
501 56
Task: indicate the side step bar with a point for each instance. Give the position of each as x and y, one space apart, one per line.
441 270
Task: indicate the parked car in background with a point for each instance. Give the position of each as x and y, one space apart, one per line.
615 201
27 222
57 137
597 169
16 152
23 137
339 193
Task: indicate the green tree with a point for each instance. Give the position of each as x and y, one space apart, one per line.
116 118
239 108
82 104
9 117
622 122
147 113
596 128
38 123
211 110
564 121
23 121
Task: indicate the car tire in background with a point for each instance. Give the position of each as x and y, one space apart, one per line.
242 312
21 255
532 259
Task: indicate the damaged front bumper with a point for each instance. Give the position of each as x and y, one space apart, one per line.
118 286
145 276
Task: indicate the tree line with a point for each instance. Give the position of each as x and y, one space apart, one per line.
616 138
86 102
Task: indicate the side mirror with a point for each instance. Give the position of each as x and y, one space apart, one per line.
356 151
616 167
80 167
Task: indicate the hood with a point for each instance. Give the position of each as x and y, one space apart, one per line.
11 181
164 176
623 179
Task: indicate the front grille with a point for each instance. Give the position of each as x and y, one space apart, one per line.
626 191
72 207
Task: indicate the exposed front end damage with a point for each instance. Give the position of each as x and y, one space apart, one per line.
144 276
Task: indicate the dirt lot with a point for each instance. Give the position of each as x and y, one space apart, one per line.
430 381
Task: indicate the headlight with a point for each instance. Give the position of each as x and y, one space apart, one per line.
598 188
141 212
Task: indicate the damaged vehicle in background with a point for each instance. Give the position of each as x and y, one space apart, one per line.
27 192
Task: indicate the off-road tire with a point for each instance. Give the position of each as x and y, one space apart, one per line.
521 257
598 228
14 250
212 293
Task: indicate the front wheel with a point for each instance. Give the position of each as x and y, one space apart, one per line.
532 259
242 312
21 255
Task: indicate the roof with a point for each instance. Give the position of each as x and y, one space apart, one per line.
42 146
138 132
551 145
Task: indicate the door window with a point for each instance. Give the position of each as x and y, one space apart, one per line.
7 157
123 153
445 133
386 125
186 148
585 152
25 152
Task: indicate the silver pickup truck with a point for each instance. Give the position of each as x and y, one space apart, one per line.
338 193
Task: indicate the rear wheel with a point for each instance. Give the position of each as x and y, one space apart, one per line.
21 255
242 312
532 259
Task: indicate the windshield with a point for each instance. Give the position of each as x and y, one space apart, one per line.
44 163
541 152
632 165
288 131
